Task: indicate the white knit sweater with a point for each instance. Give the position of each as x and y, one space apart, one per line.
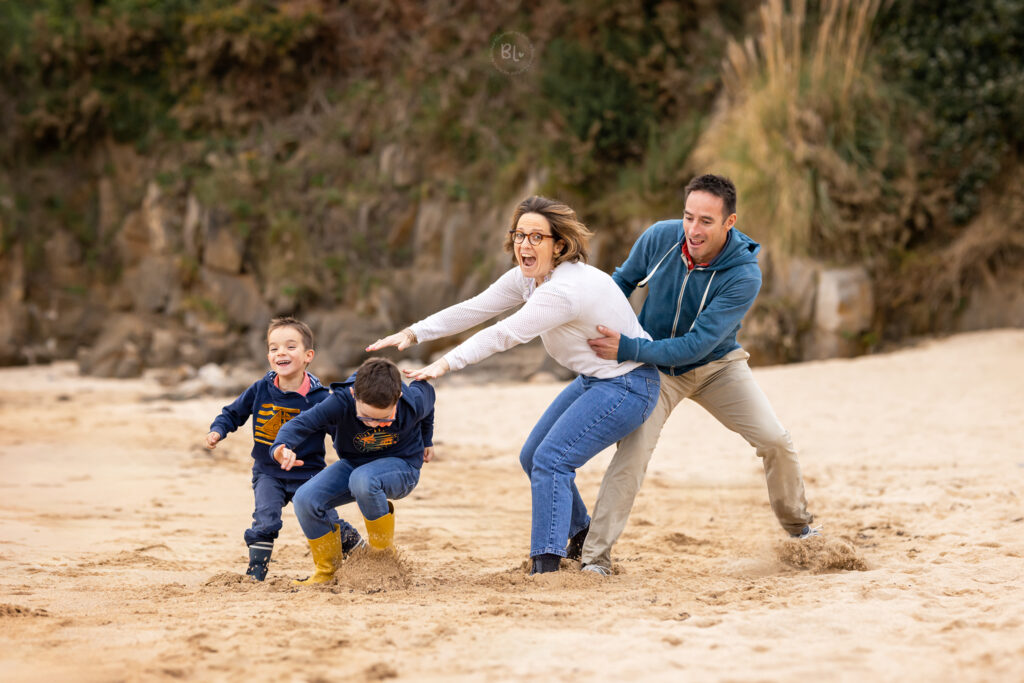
565 311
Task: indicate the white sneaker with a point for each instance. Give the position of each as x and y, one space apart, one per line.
596 569
807 532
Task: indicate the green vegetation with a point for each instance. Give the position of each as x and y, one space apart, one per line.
812 136
857 132
141 71
964 64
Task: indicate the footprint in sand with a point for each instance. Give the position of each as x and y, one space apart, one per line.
19 611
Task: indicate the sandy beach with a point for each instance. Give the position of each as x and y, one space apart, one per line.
121 552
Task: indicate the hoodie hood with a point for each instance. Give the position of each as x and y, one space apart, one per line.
314 382
345 383
739 249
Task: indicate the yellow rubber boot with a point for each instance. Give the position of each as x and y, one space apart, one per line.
381 531
326 557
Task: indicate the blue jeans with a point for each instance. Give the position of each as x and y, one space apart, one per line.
588 416
369 485
272 494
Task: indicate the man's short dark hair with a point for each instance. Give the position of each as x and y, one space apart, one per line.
720 186
378 383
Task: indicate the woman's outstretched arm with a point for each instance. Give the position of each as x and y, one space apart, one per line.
547 308
503 294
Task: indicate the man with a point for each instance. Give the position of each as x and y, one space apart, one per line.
702 277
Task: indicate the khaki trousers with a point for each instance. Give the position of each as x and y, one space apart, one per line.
725 388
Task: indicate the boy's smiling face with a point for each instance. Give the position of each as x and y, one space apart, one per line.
286 353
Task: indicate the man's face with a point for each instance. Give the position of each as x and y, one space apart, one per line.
705 227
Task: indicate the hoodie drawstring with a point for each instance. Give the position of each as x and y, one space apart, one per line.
703 299
643 282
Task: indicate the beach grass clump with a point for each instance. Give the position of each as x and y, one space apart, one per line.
811 135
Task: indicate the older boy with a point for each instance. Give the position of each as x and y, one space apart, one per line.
383 432
284 392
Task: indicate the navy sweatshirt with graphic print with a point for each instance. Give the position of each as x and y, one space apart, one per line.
271 408
406 437
692 315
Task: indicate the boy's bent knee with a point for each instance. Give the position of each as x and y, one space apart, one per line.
363 484
304 500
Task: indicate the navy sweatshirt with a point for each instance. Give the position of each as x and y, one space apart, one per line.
271 409
406 437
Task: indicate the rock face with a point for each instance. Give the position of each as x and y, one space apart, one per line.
843 308
13 315
118 352
187 289
223 247
340 337
149 283
997 302
181 284
236 297
187 297
808 311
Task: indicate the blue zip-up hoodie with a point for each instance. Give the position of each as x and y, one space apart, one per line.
271 409
406 437
692 316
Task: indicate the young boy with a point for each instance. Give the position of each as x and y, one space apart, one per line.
284 392
383 432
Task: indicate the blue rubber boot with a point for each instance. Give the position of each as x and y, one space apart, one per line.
259 560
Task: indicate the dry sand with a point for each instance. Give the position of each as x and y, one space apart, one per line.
121 550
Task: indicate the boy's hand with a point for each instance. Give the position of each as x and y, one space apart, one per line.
432 371
428 454
401 340
286 457
211 440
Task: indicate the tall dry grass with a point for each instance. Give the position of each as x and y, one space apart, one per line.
806 132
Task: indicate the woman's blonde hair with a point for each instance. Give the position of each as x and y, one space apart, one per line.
565 227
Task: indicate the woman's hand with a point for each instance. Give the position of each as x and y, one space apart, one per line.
401 340
432 371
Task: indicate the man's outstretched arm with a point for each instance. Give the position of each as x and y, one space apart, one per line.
713 325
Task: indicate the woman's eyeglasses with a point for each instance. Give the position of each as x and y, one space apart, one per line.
535 237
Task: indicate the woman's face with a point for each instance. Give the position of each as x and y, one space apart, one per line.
536 261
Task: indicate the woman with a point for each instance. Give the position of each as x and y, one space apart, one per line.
565 299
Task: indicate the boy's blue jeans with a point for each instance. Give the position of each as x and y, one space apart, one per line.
588 416
272 494
369 485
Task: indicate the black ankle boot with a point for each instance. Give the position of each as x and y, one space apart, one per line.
259 560
350 541
548 562
574 551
